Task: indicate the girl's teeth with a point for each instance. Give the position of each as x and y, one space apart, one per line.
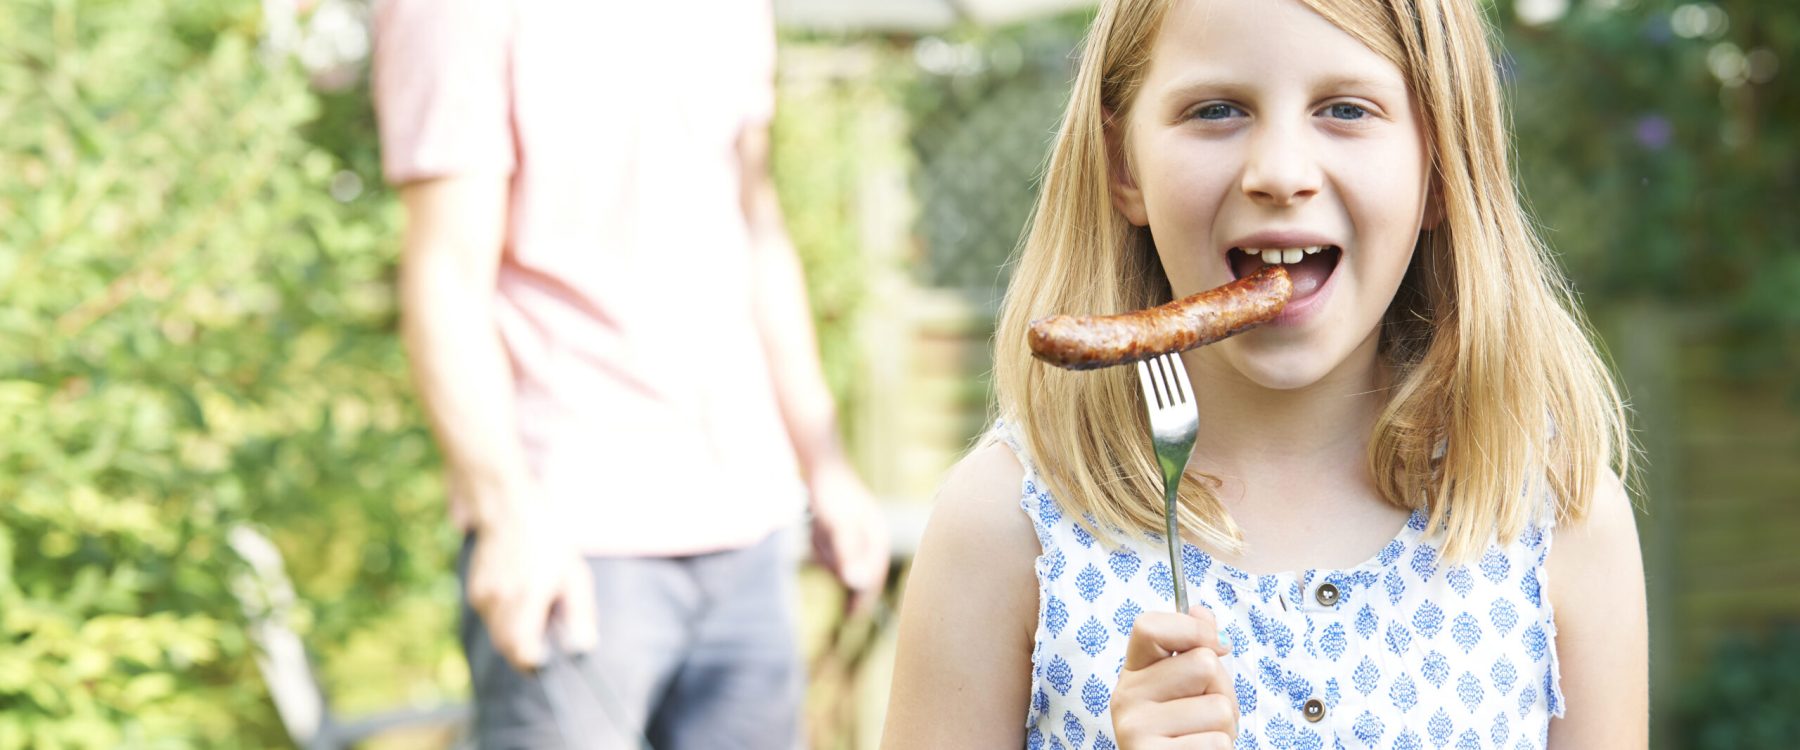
1274 256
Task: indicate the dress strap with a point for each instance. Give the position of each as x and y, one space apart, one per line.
1007 432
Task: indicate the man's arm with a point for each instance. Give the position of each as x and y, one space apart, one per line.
850 536
454 237
522 564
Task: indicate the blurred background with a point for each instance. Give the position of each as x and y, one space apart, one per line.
198 347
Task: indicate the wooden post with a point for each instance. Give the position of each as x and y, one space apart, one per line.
884 215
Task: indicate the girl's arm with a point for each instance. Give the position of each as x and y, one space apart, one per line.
962 677
1602 642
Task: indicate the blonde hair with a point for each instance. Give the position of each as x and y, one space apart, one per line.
1497 388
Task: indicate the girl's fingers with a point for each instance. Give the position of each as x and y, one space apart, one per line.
1196 672
1176 691
1197 716
1208 741
1187 722
1156 635
1209 626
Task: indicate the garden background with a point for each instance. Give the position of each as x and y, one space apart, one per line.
197 334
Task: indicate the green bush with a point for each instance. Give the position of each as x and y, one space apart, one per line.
826 149
195 334
1658 142
1746 697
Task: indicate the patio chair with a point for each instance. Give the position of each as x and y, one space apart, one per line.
267 598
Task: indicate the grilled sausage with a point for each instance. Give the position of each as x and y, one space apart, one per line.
1091 342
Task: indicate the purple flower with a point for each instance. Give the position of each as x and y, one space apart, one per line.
1654 132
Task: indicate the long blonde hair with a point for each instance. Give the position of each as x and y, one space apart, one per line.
1497 388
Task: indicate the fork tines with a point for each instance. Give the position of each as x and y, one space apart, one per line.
1165 381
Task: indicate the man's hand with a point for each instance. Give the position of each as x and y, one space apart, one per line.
1174 691
849 537
522 570
849 532
523 563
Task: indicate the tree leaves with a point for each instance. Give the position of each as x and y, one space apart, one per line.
186 307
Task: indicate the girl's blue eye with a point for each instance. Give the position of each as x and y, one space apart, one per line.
1347 111
1213 111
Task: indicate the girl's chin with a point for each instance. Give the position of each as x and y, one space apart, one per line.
1293 366
1283 380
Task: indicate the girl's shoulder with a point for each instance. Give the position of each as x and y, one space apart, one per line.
992 473
1030 494
977 506
1598 549
970 609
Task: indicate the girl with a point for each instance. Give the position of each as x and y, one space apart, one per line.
1380 473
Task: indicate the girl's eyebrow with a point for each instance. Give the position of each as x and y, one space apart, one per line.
1184 92
1211 86
1189 88
1341 81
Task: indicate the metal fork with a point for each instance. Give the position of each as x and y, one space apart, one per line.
1174 421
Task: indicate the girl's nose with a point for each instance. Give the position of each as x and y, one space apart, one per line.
1280 169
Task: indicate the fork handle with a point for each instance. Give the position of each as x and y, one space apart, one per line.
1171 512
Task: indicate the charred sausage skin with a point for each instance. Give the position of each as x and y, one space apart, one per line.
1092 342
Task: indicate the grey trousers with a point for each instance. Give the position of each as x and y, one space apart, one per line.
694 652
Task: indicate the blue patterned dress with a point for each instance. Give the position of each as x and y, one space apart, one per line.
1399 652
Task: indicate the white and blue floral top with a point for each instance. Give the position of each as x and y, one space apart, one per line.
1399 652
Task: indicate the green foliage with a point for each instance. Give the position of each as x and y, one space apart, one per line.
1746 698
1659 142
827 146
195 335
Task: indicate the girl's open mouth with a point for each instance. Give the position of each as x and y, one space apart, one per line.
1308 267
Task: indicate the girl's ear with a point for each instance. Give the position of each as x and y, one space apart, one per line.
1126 197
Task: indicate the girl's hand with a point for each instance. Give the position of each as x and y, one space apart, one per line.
1175 692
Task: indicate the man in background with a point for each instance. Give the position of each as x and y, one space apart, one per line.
610 331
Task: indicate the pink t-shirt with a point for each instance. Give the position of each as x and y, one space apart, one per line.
624 299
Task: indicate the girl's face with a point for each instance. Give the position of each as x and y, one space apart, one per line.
1262 133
